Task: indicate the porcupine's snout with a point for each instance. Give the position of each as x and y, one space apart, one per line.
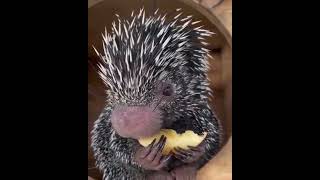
136 121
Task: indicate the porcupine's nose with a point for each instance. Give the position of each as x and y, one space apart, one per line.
135 121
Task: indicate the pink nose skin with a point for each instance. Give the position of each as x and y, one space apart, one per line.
135 121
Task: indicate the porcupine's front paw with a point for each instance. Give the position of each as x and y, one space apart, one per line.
150 157
191 155
185 172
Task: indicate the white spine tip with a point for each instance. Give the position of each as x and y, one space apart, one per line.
156 11
195 22
177 16
95 50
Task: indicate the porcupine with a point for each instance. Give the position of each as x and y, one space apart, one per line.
155 72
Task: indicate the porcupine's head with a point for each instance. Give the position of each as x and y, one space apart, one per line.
154 70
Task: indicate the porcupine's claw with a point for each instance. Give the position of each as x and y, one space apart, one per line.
151 158
189 156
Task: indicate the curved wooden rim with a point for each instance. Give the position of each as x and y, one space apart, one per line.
212 18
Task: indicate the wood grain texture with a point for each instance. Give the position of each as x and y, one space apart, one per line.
224 13
210 3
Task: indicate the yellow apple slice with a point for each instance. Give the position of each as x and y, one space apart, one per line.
188 138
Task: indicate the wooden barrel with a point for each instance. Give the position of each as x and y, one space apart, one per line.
216 18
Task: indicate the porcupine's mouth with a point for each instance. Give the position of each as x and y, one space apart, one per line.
136 121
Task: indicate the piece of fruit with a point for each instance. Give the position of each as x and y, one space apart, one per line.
188 138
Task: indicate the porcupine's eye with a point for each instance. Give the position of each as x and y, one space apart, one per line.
167 90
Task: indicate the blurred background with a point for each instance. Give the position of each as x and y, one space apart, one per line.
216 16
